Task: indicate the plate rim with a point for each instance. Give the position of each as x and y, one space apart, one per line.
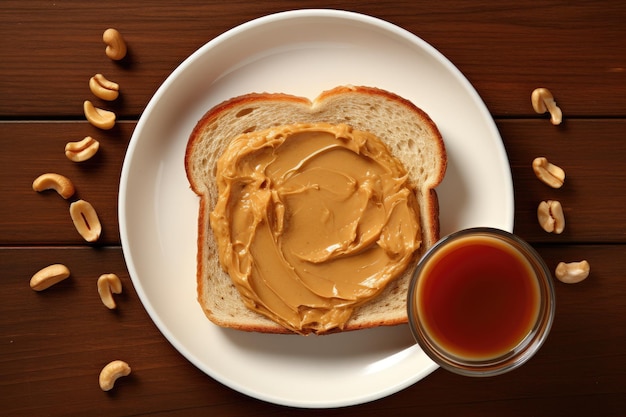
153 102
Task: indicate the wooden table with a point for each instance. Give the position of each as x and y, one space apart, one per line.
54 343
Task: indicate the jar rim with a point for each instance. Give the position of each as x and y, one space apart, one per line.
525 349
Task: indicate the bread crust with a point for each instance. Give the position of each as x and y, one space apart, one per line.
222 305
214 113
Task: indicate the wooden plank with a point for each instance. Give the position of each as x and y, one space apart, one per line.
592 197
54 343
51 49
592 154
31 149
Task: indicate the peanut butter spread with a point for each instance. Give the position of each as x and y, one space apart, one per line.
311 221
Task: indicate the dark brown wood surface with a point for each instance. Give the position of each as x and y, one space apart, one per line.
53 344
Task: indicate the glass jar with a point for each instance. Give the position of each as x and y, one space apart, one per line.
481 302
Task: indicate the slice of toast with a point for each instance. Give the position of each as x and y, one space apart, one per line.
410 134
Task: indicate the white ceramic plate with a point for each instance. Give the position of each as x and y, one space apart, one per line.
303 53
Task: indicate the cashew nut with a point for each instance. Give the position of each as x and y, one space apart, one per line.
573 272
109 284
550 216
111 372
100 118
85 220
116 47
82 150
57 182
542 101
49 276
103 88
548 173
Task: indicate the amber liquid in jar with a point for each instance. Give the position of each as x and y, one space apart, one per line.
478 298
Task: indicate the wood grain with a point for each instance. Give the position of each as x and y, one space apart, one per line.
591 171
54 343
575 48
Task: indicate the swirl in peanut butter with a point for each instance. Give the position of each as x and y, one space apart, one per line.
312 221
